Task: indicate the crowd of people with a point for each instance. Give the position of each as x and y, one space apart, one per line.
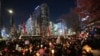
48 46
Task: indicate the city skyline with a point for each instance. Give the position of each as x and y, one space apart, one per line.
22 9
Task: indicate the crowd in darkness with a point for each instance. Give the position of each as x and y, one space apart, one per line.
48 46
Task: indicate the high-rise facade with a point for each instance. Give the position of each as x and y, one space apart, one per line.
40 18
44 19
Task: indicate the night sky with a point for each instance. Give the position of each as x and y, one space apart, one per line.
23 8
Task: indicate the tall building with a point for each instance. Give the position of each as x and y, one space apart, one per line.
36 18
30 26
40 19
45 14
44 19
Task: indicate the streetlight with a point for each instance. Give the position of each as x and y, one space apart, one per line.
10 11
11 19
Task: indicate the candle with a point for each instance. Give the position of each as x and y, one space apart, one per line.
41 45
37 54
52 51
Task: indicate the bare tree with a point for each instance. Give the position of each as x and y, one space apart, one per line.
90 8
71 20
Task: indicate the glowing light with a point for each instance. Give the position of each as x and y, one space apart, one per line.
37 54
45 47
52 51
26 49
41 46
59 28
50 43
10 11
55 27
87 48
4 33
83 19
37 7
60 31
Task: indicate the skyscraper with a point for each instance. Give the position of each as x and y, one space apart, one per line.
45 14
44 19
41 15
40 18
